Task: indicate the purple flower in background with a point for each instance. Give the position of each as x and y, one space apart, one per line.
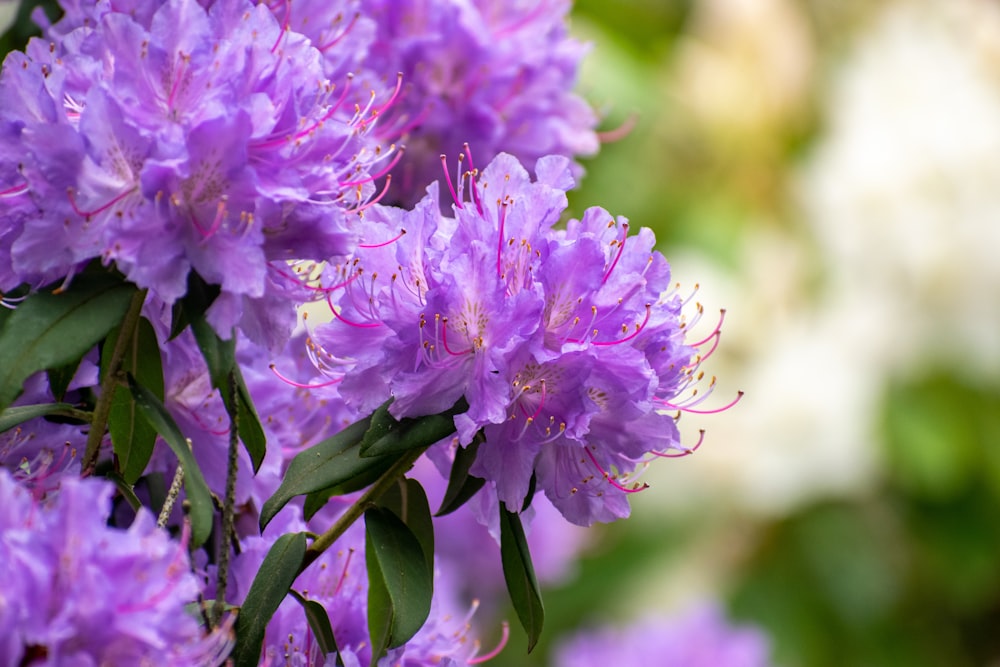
568 346
166 138
79 592
496 74
295 414
701 637
40 451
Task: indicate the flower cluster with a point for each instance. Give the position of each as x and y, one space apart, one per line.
221 149
79 592
494 73
568 345
237 156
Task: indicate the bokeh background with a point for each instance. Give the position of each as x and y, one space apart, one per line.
828 171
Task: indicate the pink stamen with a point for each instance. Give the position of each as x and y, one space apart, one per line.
478 660
288 380
503 222
632 335
715 332
444 340
468 151
177 80
100 209
342 34
402 232
277 141
607 476
284 25
686 452
333 309
620 132
541 403
368 179
621 249
220 214
375 200
343 573
691 410
451 186
392 98
15 191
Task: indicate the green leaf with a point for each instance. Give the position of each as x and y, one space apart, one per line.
11 417
60 377
462 485
520 575
326 464
273 581
220 354
132 436
248 422
50 330
124 488
381 425
198 495
220 357
319 621
410 434
407 500
193 305
400 585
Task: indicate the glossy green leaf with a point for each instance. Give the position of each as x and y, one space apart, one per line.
326 464
198 495
50 330
273 582
519 574
409 434
381 425
462 485
400 585
319 622
11 417
407 500
132 436
220 357
193 305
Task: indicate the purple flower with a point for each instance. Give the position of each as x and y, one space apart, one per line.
498 75
166 138
701 637
79 592
40 452
568 346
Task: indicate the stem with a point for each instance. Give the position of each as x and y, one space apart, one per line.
172 494
229 506
73 413
102 409
367 500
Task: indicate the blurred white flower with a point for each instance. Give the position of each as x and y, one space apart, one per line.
904 187
8 12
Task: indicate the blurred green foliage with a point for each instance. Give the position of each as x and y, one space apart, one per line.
908 574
